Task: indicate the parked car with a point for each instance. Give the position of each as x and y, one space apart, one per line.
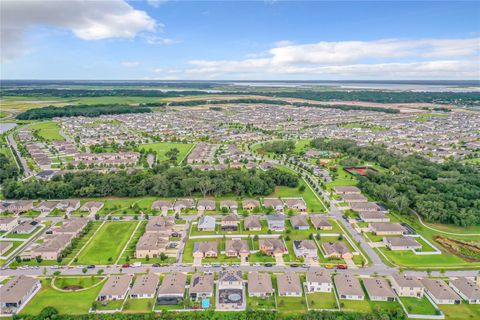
328 266
342 266
156 265
268 265
91 266
125 265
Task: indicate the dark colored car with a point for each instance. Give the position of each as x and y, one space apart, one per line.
342 266
91 266
268 265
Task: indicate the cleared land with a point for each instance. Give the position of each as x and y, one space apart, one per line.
48 130
161 148
107 244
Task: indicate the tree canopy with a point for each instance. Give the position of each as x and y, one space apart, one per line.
445 193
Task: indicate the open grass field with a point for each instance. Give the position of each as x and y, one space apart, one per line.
48 130
161 148
257 303
65 302
84 282
462 311
107 244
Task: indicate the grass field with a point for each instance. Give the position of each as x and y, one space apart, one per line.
107 244
163 147
48 130
418 306
321 300
462 311
85 282
138 305
65 302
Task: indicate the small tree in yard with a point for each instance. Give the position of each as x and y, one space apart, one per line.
84 270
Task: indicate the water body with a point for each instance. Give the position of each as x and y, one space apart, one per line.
4 127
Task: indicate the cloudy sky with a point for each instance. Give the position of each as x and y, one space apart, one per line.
258 40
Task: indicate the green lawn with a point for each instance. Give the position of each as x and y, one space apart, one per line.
261 303
322 300
461 311
138 305
85 282
107 243
48 130
65 302
418 306
363 306
161 148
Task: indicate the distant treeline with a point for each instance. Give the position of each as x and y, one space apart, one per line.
445 193
162 181
274 102
461 98
394 313
93 110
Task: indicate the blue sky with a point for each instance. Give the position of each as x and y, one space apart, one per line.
240 40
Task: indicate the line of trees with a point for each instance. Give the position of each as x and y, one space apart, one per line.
51 313
8 168
445 193
94 110
458 98
161 181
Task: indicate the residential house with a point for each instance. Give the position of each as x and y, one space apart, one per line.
25 227
116 287
276 222
172 289
354 197
151 244
205 249
236 248
320 222
336 250
289 285
276 204
206 223
8 223
346 190
252 223
250 204
201 286
230 222
206 205
348 287
20 206
364 206
162 205
296 204
299 222
468 289
183 204
407 286
230 279
386 228
229 204
401 243
305 248
5 246
373 216
145 286
378 289
92 207
319 281
259 284
440 292
47 206
272 247
16 292
69 205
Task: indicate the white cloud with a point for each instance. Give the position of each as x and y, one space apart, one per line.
88 20
156 40
130 64
156 3
379 59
